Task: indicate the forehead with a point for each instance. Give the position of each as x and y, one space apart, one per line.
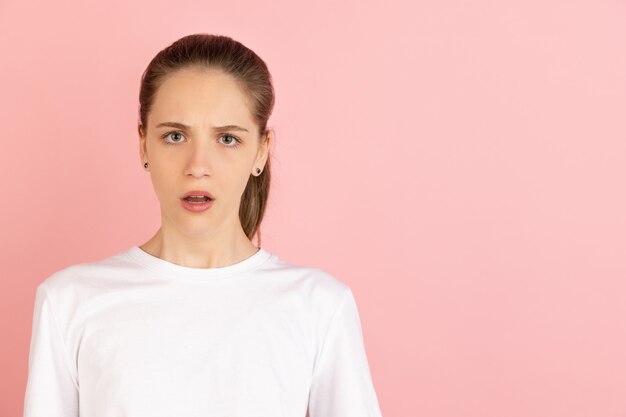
198 95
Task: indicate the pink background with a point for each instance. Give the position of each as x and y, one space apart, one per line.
460 164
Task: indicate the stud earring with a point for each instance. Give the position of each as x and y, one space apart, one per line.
145 165
258 171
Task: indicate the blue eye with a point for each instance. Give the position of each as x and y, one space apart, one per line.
164 137
233 143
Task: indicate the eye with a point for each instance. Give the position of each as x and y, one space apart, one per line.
235 141
164 137
231 141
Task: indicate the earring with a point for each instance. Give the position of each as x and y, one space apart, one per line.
258 171
145 165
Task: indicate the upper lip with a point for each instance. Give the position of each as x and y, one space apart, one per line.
198 192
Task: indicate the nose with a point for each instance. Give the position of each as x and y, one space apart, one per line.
198 159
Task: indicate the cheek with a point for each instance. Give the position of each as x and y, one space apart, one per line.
228 175
165 181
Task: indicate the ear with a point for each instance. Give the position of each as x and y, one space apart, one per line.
143 150
267 141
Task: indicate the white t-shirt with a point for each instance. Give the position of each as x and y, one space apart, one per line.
134 335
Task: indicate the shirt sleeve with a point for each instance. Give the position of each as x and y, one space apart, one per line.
342 384
51 388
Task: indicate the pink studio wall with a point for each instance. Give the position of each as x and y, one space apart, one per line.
459 164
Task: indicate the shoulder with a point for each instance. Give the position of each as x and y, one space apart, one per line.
318 285
75 278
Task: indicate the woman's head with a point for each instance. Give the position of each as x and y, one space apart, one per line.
206 82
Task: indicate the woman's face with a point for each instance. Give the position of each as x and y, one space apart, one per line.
202 154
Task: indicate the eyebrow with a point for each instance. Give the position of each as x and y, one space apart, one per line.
185 127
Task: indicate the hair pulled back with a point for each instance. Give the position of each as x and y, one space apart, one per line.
224 53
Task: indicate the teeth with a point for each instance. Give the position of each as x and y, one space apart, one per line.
197 199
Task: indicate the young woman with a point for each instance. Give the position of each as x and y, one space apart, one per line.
198 321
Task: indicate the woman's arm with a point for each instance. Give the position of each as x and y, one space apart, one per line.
342 384
52 388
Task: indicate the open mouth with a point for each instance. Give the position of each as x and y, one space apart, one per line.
197 199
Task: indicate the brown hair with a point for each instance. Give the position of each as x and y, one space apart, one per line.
224 53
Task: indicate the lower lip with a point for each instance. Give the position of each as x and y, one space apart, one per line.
195 207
